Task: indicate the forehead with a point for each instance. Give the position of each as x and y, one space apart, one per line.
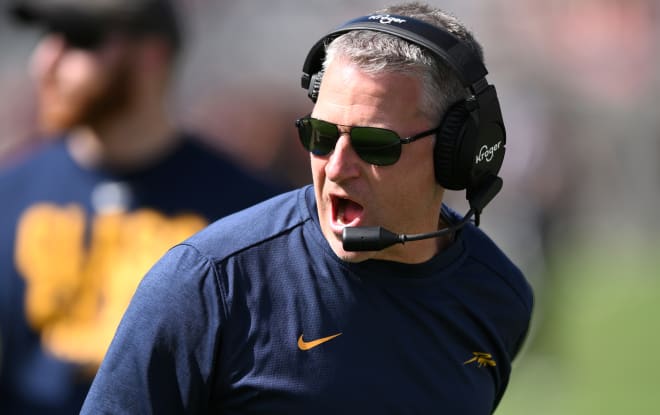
348 95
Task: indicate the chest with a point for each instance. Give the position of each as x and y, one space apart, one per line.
349 347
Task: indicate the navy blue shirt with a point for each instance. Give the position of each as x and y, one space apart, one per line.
256 314
74 244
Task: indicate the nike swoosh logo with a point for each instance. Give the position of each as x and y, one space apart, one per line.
303 345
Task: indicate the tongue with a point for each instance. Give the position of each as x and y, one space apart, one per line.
348 211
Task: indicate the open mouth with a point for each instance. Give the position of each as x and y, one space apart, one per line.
345 211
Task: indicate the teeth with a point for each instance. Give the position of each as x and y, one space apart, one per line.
340 213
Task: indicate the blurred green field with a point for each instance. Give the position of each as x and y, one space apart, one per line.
595 347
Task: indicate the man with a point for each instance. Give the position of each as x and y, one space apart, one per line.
283 309
116 186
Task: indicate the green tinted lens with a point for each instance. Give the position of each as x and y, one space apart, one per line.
376 145
304 131
322 137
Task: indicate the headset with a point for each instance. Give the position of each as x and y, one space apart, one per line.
470 145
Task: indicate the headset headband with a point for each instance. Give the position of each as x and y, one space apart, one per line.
468 67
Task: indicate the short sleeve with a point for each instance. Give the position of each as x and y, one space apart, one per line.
161 358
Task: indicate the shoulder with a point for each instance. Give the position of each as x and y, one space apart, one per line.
486 255
496 289
252 226
44 158
199 154
40 173
211 168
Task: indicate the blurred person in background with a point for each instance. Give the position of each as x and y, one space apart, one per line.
115 185
297 316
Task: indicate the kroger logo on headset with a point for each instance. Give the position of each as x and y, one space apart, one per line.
487 153
386 19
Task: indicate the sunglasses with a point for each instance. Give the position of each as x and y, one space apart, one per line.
378 146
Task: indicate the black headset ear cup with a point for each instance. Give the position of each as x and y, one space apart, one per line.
449 171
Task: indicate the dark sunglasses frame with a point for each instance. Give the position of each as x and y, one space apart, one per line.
377 146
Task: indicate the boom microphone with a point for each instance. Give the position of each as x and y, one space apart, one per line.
377 238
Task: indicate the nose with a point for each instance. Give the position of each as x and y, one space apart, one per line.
46 55
343 162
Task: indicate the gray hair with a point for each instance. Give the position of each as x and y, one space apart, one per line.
376 52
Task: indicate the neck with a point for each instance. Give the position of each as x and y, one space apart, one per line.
444 241
415 252
127 142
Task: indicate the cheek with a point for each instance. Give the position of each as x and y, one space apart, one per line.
418 164
318 170
415 179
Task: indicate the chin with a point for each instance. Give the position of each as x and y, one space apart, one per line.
353 257
347 256
336 244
